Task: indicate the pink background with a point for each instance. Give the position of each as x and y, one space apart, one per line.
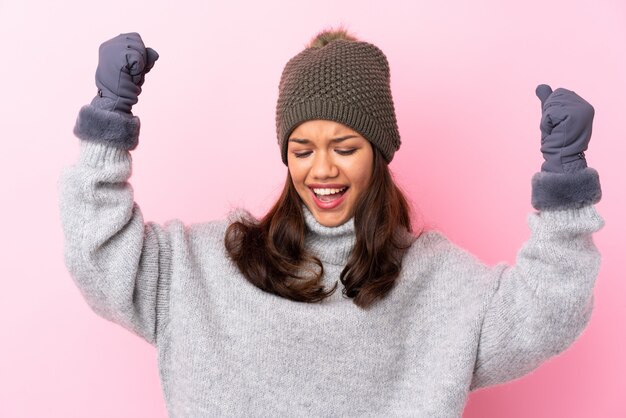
463 76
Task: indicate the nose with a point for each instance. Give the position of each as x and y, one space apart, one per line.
323 166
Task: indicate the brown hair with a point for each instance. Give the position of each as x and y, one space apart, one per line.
270 252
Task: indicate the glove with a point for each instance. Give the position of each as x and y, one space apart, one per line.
122 65
566 123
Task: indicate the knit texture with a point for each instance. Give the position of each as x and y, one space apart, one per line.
343 81
228 349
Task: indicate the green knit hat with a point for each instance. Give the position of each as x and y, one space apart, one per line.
341 79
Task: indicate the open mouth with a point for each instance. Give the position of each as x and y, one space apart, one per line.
328 198
329 194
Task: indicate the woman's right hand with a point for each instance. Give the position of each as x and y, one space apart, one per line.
122 65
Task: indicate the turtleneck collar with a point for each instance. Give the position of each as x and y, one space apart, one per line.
331 245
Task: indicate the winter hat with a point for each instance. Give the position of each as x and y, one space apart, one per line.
341 79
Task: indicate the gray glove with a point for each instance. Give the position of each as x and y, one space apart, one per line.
122 65
566 124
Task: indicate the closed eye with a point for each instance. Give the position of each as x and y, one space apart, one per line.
345 151
302 154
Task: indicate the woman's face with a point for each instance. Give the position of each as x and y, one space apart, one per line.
331 166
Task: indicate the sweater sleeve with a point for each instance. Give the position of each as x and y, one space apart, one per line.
544 301
120 264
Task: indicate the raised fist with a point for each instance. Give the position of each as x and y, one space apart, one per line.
566 123
122 65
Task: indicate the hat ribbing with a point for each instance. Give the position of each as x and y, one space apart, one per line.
344 81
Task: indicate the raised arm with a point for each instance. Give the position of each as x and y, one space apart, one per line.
120 263
544 301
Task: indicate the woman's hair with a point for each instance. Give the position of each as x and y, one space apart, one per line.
271 254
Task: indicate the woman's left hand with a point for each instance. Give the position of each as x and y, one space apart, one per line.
566 125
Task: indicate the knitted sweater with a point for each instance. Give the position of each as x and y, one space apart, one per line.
225 348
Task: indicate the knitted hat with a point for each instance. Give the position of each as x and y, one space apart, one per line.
341 79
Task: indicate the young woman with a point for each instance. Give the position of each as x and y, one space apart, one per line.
329 305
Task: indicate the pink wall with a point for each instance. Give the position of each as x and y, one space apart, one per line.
463 75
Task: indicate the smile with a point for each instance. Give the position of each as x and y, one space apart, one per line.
328 198
326 192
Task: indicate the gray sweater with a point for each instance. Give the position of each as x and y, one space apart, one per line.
226 348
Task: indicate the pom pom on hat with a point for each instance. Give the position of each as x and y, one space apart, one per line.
325 37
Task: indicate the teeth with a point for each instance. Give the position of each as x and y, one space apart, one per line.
323 192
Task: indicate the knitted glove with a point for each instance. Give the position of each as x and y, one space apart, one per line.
123 63
565 129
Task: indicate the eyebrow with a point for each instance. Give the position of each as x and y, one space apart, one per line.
307 141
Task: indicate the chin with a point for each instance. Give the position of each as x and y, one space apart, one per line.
330 220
